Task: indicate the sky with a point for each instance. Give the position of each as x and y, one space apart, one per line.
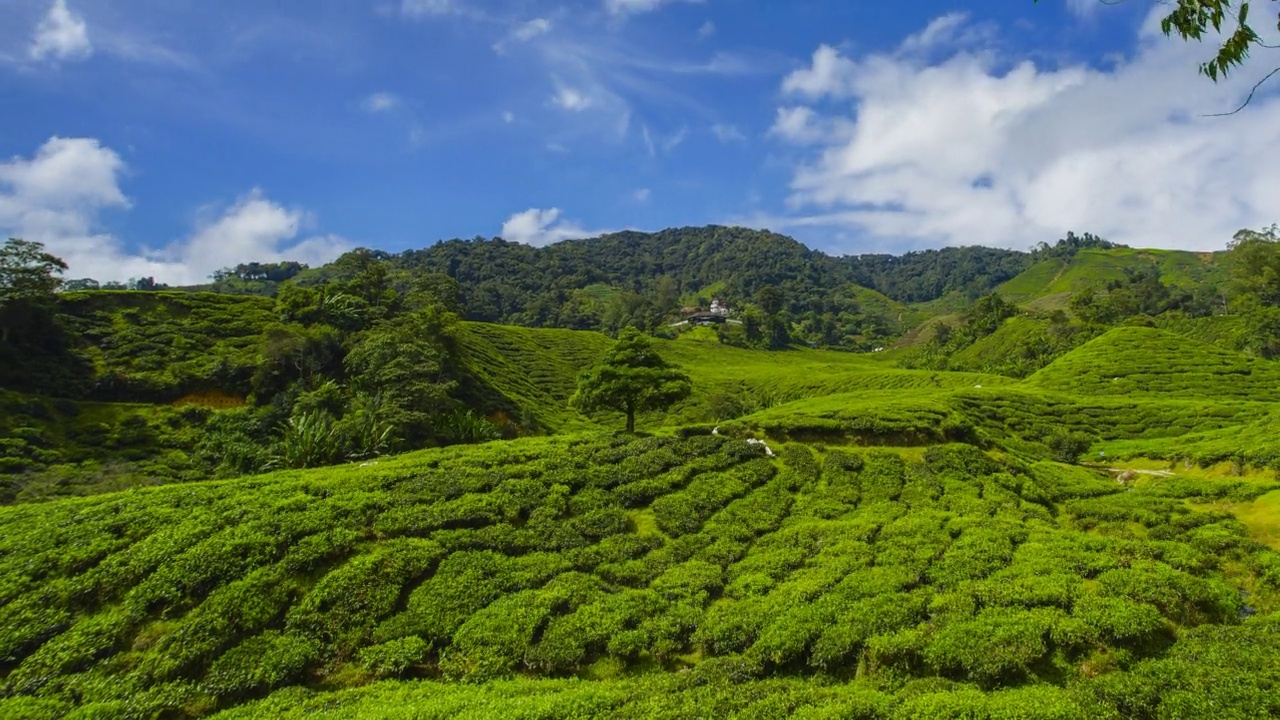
171 138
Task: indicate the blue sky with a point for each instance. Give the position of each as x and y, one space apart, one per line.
173 137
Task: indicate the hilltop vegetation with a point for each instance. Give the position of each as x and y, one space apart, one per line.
368 355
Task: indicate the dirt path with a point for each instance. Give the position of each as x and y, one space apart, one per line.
1156 473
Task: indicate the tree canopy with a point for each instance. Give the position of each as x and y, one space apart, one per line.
632 377
28 279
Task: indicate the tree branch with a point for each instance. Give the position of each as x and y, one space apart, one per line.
1247 99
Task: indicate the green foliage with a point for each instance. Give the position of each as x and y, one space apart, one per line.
632 377
958 565
28 281
394 658
926 582
263 662
405 363
1067 447
1136 361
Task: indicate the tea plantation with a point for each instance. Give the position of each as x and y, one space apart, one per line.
599 575
808 534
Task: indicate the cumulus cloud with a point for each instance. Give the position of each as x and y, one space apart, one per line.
254 228
58 195
538 227
61 35
965 150
829 74
633 7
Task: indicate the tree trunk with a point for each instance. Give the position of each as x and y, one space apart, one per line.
631 419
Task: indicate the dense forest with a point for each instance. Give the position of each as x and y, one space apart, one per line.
785 292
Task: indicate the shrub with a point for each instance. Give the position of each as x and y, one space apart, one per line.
1067 447
394 658
263 662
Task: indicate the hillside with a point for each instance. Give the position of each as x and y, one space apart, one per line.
1048 284
673 578
529 374
810 533
144 346
1144 361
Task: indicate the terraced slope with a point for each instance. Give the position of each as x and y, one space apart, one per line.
528 372
534 371
1048 284
938 584
1135 361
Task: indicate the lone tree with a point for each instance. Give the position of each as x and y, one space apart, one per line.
632 376
28 281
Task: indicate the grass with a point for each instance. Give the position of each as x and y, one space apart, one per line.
1261 516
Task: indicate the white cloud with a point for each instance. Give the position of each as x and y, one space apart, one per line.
727 133
571 99
633 7
428 8
950 30
508 117
542 227
61 35
523 32
642 194
707 29
57 197
532 29
829 73
666 144
254 228
672 141
958 152
380 102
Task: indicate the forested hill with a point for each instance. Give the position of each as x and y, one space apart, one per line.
511 282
